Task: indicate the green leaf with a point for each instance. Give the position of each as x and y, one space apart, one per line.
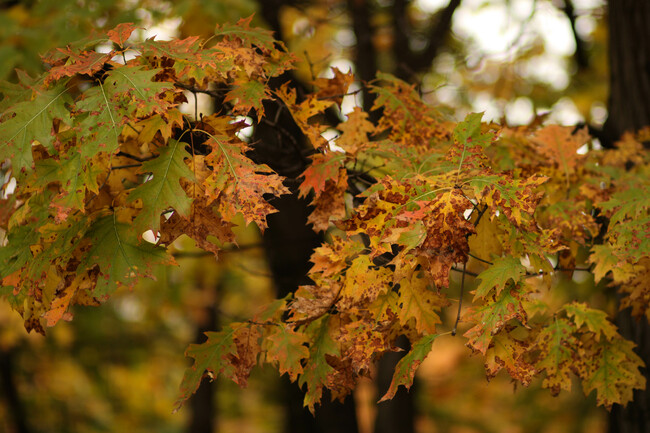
557 347
140 92
595 320
163 190
419 302
287 348
468 132
628 204
126 92
74 176
33 120
15 254
498 274
613 371
211 357
100 123
406 367
317 370
121 257
493 315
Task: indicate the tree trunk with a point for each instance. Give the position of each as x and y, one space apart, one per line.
629 63
397 414
629 110
289 243
15 408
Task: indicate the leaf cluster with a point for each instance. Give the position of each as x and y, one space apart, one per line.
406 203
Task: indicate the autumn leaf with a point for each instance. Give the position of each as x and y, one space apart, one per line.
595 320
408 365
560 144
287 348
118 252
606 259
324 167
557 345
247 95
78 62
236 183
363 283
335 87
613 371
121 33
249 36
317 370
419 302
506 351
497 275
329 205
162 191
32 121
211 358
493 315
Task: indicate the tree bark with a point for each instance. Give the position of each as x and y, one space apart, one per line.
629 63
203 404
629 110
397 414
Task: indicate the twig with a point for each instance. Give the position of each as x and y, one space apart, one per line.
460 300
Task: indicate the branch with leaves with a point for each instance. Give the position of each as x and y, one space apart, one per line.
403 202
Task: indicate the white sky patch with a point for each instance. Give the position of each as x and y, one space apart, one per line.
485 103
548 69
494 27
331 135
519 112
598 113
150 236
352 100
554 27
246 133
564 112
203 104
165 30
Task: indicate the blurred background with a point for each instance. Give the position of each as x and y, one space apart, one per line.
118 367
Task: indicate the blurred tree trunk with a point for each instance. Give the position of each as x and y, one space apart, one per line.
289 243
397 414
629 63
15 408
629 110
203 404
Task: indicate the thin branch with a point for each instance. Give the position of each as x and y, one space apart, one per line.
487 262
136 158
581 54
460 300
213 93
119 167
464 271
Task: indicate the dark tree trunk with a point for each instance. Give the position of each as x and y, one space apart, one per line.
203 405
289 243
629 62
629 110
397 414
15 407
